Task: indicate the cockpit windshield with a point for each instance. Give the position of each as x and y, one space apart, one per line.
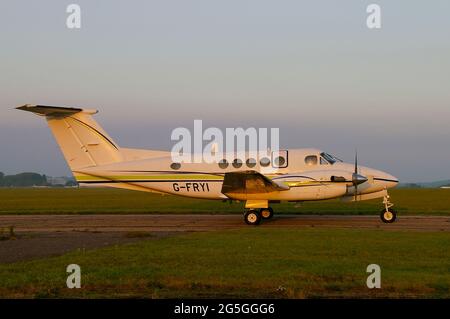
330 158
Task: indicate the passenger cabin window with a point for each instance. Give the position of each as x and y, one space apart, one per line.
223 164
264 161
237 163
311 160
251 162
175 166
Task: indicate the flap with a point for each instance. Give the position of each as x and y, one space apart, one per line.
249 182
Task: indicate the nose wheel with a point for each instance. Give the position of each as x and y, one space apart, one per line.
388 215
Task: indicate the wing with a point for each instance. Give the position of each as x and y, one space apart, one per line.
249 182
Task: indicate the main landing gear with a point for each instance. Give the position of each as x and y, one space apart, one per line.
388 215
254 216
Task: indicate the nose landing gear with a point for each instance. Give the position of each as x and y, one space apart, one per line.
388 215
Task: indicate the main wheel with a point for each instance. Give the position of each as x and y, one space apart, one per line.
252 217
388 216
266 213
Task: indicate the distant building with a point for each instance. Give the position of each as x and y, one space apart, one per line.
409 185
445 187
60 181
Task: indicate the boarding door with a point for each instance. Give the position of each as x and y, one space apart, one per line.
280 159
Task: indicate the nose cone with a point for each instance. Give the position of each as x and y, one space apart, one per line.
388 180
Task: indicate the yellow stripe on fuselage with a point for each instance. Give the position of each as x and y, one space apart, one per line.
86 178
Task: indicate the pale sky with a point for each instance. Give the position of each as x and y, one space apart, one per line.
311 68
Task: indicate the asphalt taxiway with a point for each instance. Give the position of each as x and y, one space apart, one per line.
39 236
175 223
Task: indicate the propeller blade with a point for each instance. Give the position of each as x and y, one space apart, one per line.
357 178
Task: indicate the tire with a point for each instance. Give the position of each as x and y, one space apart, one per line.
252 217
388 216
266 213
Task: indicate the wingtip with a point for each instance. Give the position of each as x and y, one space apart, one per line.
23 107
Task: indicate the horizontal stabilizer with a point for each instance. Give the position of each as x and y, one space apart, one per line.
46 110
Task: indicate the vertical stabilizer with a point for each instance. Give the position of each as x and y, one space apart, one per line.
83 142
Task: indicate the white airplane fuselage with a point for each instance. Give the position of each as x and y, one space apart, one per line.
202 180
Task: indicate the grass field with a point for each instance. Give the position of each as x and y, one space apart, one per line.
98 200
254 262
250 262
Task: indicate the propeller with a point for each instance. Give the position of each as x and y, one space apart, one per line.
356 177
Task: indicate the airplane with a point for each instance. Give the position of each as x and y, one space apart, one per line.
293 175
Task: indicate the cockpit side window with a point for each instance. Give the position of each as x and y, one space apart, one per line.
311 160
323 161
329 158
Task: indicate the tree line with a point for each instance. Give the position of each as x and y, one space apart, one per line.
26 180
